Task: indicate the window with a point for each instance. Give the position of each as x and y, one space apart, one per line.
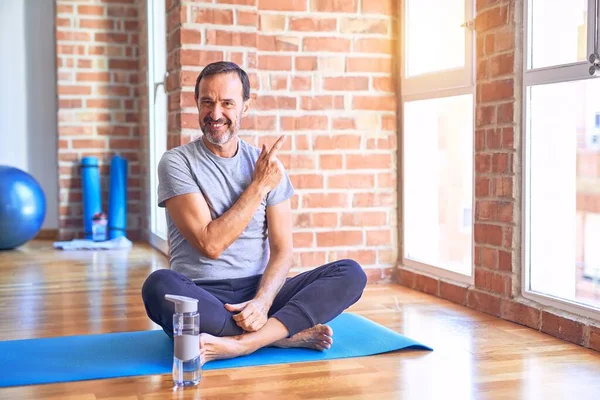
157 115
438 122
562 155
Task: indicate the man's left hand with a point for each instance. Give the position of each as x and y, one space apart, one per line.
251 315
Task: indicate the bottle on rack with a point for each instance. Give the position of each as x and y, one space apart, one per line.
99 224
187 370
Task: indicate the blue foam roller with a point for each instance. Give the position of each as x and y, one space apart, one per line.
117 198
92 200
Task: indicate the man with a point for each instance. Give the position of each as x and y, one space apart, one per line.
230 232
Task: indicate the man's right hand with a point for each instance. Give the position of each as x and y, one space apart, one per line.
269 171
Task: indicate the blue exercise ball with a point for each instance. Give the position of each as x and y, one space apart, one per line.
22 207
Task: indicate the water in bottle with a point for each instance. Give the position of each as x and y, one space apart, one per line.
187 370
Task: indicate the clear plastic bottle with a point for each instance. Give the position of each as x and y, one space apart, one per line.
187 370
99 224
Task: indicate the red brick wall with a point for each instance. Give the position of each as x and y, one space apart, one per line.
97 73
497 229
496 193
322 74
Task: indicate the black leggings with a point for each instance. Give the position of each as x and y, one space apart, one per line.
310 298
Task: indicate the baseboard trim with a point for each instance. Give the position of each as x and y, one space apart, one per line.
47 234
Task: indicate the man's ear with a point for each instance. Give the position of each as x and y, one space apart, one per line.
245 108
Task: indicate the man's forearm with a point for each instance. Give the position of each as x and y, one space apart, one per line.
274 276
220 233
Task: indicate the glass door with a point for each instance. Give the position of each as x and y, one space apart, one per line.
438 136
157 115
562 154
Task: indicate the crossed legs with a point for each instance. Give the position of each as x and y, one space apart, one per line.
303 304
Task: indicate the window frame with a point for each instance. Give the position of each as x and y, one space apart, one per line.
434 83
577 71
428 87
154 9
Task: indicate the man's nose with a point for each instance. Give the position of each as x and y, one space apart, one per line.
216 112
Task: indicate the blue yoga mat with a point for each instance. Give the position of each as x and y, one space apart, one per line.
113 355
90 187
117 198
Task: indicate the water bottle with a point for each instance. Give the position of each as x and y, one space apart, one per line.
187 369
99 223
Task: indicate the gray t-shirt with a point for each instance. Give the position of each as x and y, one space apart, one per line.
193 168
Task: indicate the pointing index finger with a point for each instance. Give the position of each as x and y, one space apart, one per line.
278 144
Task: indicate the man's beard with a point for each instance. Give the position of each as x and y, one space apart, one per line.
218 138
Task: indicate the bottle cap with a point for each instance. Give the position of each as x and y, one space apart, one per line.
99 216
183 304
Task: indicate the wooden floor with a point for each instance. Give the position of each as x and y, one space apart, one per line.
51 293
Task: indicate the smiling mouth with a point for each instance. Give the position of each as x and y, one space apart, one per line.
215 125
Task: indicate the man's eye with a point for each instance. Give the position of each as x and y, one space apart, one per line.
206 103
228 104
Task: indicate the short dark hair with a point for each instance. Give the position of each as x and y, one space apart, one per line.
224 67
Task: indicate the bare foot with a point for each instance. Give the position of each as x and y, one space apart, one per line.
319 337
217 348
